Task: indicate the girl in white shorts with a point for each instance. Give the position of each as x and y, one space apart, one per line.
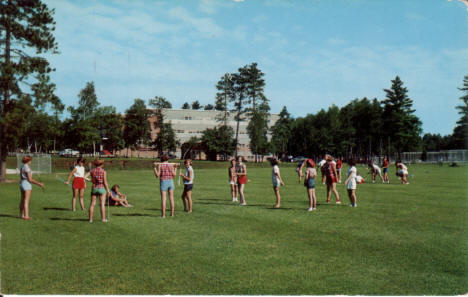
351 182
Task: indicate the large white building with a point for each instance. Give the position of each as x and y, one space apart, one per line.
188 123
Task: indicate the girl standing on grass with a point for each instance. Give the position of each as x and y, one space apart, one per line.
100 189
233 180
350 182
166 173
330 177
241 173
188 186
385 170
339 164
79 185
277 181
309 182
25 186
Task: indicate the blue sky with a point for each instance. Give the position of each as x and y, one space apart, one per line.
314 53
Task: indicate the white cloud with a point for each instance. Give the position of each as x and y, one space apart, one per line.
205 26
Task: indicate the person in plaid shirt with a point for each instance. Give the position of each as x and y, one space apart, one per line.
166 172
100 188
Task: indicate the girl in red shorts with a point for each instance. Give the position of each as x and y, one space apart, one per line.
331 178
79 185
241 173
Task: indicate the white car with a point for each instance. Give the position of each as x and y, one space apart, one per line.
69 153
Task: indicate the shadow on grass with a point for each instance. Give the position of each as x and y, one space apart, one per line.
67 219
9 216
57 208
135 215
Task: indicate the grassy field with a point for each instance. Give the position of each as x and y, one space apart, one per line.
400 240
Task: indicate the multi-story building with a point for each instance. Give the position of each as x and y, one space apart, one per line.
188 123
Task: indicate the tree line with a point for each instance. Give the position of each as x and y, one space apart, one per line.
31 112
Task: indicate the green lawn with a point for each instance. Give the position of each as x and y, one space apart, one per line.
400 240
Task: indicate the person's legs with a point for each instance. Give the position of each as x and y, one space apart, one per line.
188 195
75 194
328 192
171 200
184 200
27 199
91 207
103 207
309 194
278 197
350 195
314 199
163 204
81 192
336 193
21 205
353 195
241 193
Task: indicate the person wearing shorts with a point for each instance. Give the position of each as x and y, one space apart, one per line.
309 183
351 182
166 173
402 172
330 177
339 164
277 181
100 189
375 170
116 198
25 185
321 164
385 170
188 186
233 180
79 184
241 173
299 167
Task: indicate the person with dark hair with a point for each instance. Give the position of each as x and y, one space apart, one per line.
166 172
79 184
25 186
350 182
299 167
330 177
309 182
339 164
241 173
117 198
188 185
100 188
233 180
385 170
277 181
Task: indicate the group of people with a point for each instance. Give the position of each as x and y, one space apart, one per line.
237 172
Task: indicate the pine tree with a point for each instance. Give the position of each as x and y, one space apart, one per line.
401 127
26 27
459 138
225 94
281 133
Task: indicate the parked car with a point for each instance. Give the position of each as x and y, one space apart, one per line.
298 159
69 153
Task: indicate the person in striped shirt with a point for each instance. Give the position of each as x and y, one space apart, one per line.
166 172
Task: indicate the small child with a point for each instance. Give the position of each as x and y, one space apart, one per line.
233 180
350 182
309 182
277 181
116 198
188 186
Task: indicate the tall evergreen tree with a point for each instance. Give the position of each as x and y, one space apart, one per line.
281 132
460 132
401 127
225 94
166 139
240 100
136 125
26 28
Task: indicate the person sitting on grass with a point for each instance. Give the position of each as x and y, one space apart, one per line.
309 182
116 198
188 186
277 181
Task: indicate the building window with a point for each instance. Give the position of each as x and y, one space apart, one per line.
188 118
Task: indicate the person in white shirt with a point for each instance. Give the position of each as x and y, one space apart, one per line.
351 183
322 170
402 171
277 181
188 186
375 170
78 185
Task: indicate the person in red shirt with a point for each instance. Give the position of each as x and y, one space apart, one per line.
330 176
339 164
385 170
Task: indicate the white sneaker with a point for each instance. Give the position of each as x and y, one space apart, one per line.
243 203
310 209
314 208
